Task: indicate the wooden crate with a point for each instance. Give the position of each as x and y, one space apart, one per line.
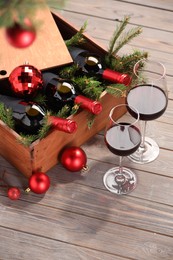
44 154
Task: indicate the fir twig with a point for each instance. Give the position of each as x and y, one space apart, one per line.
89 86
44 129
91 120
27 140
117 90
17 10
119 29
126 62
78 38
40 99
69 71
6 115
126 38
64 112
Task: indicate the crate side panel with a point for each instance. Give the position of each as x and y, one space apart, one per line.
47 152
15 153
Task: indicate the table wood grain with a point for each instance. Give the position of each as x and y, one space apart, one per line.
78 219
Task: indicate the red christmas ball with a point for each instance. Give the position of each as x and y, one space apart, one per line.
25 80
21 36
73 159
13 193
39 182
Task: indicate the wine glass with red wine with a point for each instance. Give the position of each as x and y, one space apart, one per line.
122 137
150 98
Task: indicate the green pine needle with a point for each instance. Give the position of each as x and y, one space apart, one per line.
126 38
64 112
68 72
44 129
117 90
27 140
6 115
118 31
10 11
78 38
89 86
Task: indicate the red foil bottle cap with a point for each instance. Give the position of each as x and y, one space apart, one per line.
92 106
117 77
62 124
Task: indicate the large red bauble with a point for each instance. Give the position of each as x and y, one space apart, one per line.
21 37
39 182
73 159
25 81
13 193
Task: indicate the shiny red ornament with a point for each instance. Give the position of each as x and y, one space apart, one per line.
13 193
25 81
39 182
21 36
74 159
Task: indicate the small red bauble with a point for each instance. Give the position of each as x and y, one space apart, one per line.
13 193
25 80
39 182
73 159
19 36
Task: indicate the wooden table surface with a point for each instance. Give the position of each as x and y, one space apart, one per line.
78 219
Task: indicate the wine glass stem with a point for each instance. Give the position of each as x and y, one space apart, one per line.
120 166
143 131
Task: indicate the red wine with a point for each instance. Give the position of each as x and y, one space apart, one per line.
149 100
123 139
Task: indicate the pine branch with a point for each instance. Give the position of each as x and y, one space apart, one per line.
117 90
17 11
120 28
89 86
78 38
64 112
68 72
126 62
40 98
91 120
27 140
6 115
126 38
44 129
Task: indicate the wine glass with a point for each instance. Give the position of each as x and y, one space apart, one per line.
150 98
122 137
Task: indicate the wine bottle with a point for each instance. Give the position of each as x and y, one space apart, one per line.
91 64
60 92
29 116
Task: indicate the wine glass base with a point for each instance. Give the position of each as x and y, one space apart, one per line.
124 184
147 154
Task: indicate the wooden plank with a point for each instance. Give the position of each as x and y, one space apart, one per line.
22 246
97 150
116 10
164 5
87 232
145 208
42 54
150 37
90 198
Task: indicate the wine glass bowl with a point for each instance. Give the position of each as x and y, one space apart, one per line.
122 137
150 97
